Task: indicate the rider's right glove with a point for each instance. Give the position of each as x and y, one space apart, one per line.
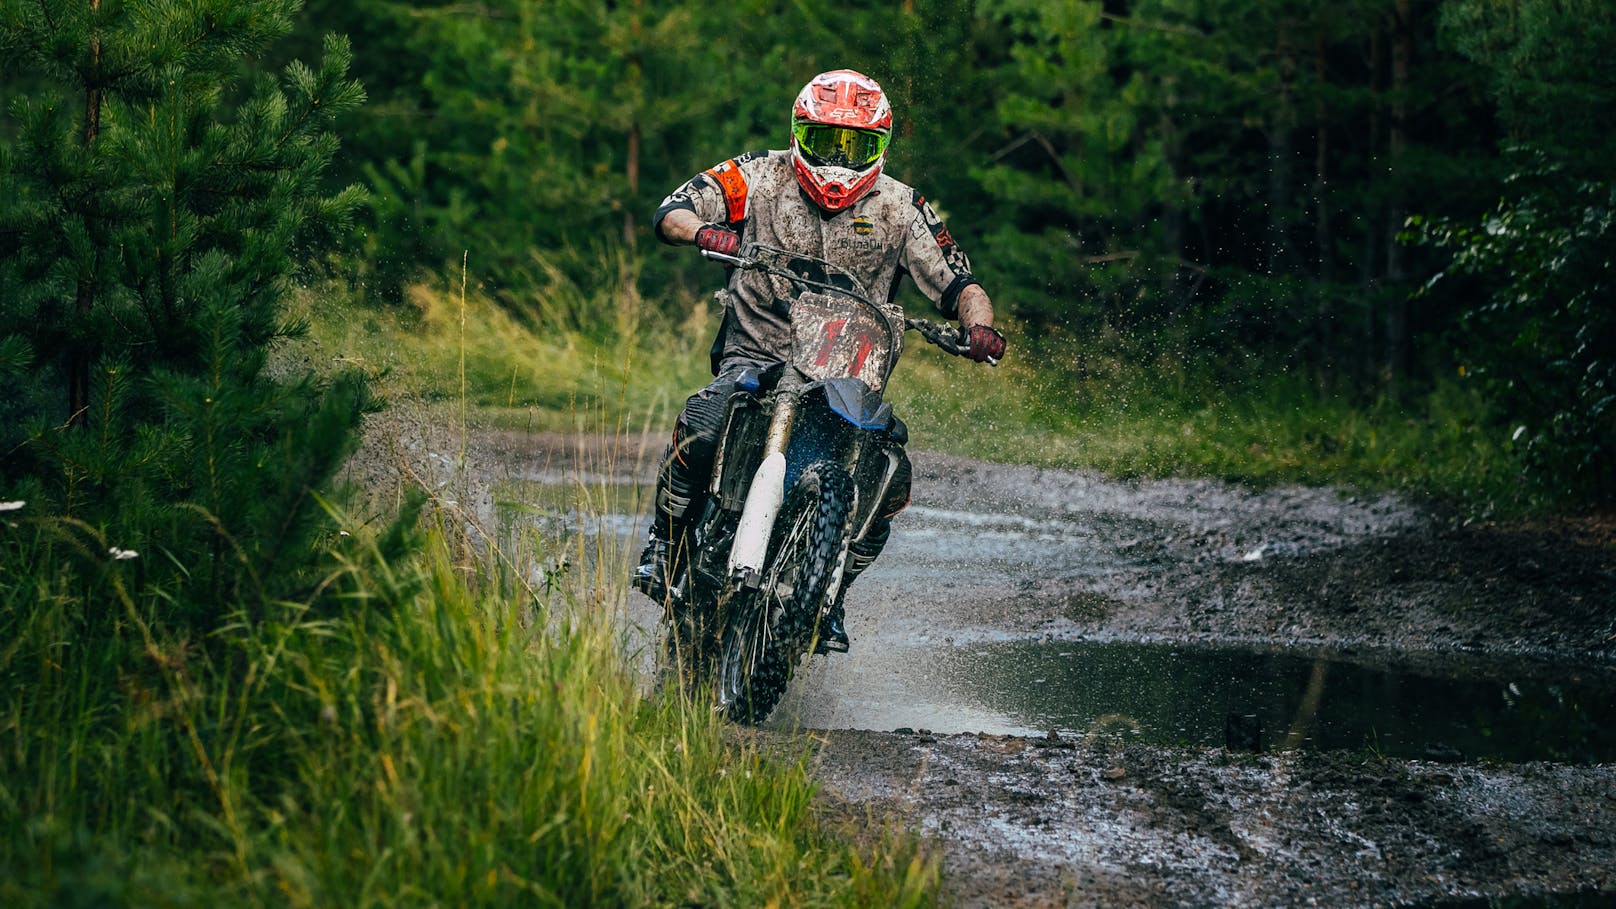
718 239
983 343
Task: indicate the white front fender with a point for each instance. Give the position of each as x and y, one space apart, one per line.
762 506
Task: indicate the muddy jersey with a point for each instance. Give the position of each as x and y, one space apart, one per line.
888 233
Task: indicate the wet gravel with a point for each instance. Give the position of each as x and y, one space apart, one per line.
1054 822
1005 553
997 553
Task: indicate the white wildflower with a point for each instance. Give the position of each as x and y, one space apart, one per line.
122 554
12 506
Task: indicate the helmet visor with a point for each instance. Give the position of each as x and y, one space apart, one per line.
840 146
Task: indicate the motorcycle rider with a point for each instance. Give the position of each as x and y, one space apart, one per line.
825 196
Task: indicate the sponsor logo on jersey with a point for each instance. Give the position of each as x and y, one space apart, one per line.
863 226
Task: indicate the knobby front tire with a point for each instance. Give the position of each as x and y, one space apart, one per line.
769 629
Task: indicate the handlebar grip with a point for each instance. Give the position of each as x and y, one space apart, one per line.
941 335
736 261
946 337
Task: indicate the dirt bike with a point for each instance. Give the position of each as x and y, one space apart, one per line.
807 454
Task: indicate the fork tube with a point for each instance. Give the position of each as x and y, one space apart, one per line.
764 497
780 426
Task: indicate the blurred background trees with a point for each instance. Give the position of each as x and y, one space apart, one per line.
1223 186
1222 189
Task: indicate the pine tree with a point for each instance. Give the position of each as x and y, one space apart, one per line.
1541 333
149 228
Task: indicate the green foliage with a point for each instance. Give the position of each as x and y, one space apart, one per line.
518 131
452 737
1220 179
1543 340
148 233
1541 262
1548 66
1163 418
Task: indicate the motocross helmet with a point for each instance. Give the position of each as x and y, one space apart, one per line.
840 127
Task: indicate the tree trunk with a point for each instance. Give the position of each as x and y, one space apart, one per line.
1280 142
1367 268
909 70
631 168
78 390
633 171
1172 219
1322 237
1397 306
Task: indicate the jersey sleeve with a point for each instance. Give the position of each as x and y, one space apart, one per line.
717 195
933 260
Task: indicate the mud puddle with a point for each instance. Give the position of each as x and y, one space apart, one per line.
1006 590
1587 900
1242 699
1154 693
1250 700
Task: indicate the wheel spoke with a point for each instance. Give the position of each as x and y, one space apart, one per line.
768 626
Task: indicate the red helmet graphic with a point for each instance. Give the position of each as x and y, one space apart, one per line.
840 127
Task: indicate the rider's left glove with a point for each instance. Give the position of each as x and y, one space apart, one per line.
983 343
714 238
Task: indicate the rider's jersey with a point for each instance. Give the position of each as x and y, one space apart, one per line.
890 232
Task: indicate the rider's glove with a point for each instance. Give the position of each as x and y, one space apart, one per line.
718 239
983 344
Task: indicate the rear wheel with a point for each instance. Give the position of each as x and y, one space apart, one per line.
770 628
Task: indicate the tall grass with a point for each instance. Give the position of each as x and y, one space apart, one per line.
1056 404
1162 419
575 360
431 730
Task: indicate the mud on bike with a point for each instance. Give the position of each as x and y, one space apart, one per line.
806 456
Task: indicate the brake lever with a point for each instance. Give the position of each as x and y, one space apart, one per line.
736 261
944 336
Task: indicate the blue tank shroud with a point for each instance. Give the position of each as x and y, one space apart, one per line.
849 398
754 379
857 404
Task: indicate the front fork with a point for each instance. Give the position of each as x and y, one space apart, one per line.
764 497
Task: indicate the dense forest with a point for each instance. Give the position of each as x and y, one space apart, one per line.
1368 198
1248 188
216 686
1372 195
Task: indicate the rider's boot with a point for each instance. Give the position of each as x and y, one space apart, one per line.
832 628
666 540
832 633
656 569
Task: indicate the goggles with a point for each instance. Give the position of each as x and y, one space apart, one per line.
840 146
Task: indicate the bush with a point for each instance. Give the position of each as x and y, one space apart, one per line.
1543 338
148 233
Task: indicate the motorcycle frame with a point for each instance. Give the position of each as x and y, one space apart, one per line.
749 477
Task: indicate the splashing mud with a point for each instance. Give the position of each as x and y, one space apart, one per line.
1395 668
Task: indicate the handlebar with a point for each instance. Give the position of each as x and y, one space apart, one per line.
758 265
946 337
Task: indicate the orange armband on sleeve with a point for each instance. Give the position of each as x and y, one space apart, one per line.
733 183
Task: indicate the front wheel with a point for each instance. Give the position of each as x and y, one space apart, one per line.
770 628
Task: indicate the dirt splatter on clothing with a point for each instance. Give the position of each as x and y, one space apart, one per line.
891 232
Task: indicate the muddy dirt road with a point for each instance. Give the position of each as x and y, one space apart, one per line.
1369 649
1093 692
